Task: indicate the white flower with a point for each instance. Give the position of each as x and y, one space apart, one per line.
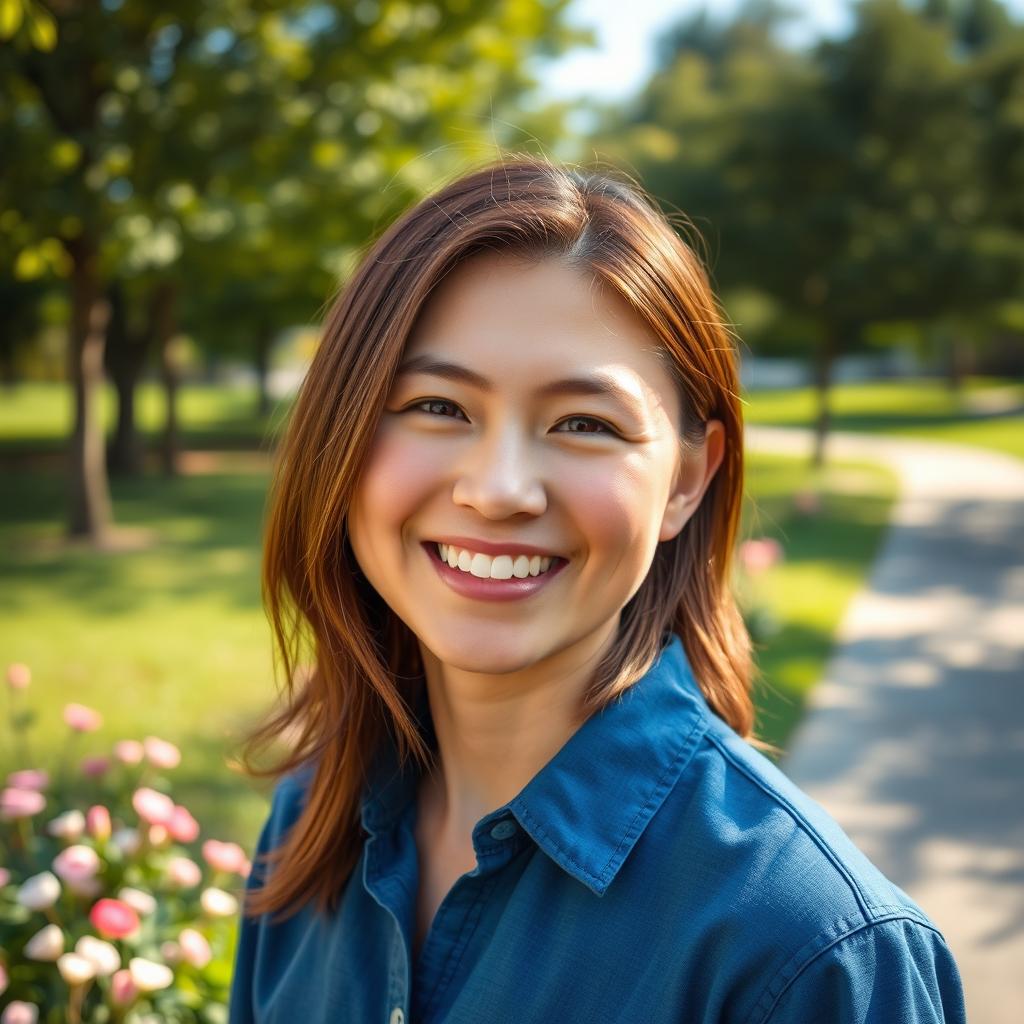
141 902
127 840
69 825
149 976
46 944
75 969
102 955
218 903
39 892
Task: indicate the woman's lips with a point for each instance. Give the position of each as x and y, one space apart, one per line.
468 585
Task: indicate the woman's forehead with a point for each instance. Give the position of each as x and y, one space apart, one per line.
499 316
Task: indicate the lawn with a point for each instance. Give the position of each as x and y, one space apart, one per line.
916 408
171 639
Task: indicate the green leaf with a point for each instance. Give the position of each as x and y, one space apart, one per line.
42 28
11 13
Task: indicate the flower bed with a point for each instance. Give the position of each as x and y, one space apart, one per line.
111 909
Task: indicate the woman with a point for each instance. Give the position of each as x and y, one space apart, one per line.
520 782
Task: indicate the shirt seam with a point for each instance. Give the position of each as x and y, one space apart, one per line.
765 1013
862 900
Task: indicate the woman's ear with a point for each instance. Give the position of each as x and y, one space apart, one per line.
692 479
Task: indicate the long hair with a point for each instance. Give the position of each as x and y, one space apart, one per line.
351 668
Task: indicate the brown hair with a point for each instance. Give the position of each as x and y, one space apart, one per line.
365 663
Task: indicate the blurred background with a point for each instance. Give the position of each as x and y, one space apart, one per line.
184 186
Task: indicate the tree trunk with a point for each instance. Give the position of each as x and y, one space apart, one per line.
90 514
126 357
823 359
262 365
163 319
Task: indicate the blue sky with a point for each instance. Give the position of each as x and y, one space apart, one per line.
627 28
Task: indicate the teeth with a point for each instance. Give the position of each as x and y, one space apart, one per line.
498 567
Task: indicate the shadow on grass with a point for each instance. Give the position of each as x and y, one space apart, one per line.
197 521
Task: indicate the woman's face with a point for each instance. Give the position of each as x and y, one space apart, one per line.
507 459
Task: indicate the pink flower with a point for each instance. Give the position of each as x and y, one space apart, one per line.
161 753
152 807
228 857
113 919
18 1012
122 988
760 554
246 868
29 778
81 718
183 873
94 767
195 950
183 827
129 751
3 979
97 821
20 803
77 864
19 675
5 877
806 501
170 951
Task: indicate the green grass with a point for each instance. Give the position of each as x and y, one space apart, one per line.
925 409
38 417
169 641
826 558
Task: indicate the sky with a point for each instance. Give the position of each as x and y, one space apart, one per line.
626 30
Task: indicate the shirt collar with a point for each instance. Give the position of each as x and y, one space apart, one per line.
588 806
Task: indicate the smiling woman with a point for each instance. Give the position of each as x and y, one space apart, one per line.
522 783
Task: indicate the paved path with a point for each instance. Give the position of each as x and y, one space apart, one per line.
914 740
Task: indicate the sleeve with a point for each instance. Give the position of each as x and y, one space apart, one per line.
890 972
240 998
285 806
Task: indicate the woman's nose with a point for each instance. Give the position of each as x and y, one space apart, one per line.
500 477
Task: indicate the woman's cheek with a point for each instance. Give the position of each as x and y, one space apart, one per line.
609 505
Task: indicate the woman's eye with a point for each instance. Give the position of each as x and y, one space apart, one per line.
419 406
428 404
605 429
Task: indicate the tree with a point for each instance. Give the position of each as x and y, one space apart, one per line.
179 147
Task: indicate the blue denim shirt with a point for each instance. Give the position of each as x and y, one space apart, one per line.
656 869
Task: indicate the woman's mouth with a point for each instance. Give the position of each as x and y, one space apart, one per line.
489 588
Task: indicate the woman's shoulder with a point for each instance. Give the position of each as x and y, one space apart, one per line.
287 801
745 806
781 886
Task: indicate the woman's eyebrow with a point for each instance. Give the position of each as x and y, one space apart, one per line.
600 384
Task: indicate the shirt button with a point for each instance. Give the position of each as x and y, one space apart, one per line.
397 1017
503 830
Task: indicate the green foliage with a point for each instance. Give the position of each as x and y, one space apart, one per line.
878 176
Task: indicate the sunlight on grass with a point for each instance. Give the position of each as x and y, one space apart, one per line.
924 408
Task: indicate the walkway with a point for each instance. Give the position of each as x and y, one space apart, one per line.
914 740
